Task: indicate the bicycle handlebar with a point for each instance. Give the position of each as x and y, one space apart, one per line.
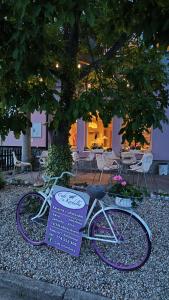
48 178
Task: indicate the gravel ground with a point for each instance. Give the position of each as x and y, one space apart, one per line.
87 272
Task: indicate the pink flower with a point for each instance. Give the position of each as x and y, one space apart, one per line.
117 178
123 183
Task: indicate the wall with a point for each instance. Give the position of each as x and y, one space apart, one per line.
80 135
116 138
39 118
36 117
160 142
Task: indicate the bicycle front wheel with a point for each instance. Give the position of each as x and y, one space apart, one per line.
31 225
133 246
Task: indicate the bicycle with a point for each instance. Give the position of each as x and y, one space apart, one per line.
119 236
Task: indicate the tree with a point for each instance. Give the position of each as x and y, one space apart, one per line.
38 34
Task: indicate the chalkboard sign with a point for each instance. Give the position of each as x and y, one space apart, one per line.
67 215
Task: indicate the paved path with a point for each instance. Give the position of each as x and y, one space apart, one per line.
18 287
155 182
9 294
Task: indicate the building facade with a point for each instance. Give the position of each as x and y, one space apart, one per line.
93 135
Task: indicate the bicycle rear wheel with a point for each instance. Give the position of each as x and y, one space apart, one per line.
133 247
32 230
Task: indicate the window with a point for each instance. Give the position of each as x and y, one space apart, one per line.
97 136
138 146
73 136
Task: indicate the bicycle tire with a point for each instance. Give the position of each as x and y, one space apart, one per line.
33 231
120 258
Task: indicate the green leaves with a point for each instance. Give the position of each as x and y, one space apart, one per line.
59 160
129 84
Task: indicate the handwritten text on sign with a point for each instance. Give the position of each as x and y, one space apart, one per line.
67 215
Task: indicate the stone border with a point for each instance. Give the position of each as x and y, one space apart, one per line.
40 290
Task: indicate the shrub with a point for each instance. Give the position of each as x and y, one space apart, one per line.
59 160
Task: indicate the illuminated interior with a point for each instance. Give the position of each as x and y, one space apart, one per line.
73 136
138 146
97 136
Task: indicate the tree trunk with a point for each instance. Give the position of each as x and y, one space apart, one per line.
26 142
59 158
69 75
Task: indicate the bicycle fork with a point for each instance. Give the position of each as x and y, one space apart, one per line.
42 211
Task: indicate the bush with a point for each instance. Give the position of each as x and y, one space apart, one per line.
2 181
59 160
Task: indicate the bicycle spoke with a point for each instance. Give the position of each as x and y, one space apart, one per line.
133 245
31 224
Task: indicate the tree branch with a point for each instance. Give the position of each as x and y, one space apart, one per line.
109 54
96 64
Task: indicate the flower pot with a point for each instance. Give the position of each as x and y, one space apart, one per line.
159 196
123 202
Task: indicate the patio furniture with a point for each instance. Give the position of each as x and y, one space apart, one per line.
20 164
106 163
142 167
127 159
97 150
77 159
111 154
43 158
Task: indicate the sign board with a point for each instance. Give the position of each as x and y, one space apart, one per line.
36 130
66 217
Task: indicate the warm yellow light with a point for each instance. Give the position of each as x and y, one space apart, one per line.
79 66
57 65
89 85
92 125
40 79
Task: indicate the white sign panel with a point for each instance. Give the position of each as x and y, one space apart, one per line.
36 130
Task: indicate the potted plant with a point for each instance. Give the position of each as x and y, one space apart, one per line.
160 195
109 149
97 148
126 195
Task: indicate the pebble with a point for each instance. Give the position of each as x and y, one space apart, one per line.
87 272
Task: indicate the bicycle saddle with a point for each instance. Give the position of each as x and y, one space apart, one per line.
96 191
